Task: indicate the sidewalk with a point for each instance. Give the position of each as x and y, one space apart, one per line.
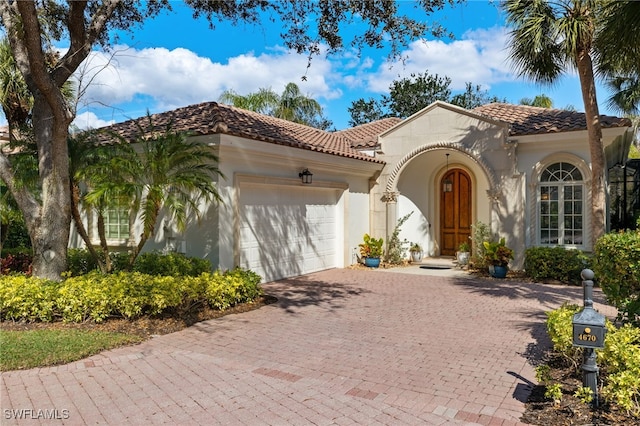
340 347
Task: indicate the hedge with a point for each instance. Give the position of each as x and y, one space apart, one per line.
97 297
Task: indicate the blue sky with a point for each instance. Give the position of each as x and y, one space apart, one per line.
174 61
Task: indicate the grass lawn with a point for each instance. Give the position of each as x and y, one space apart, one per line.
38 348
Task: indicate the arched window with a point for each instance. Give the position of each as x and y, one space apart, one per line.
561 205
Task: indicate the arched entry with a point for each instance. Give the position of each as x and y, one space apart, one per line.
455 210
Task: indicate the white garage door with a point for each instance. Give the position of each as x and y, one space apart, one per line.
287 231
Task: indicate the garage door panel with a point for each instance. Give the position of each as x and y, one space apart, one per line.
287 231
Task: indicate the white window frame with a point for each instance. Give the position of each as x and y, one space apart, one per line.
122 213
561 184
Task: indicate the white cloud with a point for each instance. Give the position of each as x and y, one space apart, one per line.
479 57
167 79
88 120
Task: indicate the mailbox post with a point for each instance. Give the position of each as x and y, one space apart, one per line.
588 333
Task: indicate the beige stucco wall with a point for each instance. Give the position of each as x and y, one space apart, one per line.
215 237
504 171
415 152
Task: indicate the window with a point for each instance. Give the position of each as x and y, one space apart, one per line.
116 223
561 205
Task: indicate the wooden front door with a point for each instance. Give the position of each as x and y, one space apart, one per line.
455 211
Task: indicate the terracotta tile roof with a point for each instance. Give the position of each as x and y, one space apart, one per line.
366 135
528 120
211 117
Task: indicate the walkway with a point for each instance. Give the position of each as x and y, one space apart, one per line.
341 347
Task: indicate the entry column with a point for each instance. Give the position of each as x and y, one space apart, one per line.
390 198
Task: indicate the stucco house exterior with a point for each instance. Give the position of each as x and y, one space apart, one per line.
524 171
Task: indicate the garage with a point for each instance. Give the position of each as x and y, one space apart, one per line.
286 231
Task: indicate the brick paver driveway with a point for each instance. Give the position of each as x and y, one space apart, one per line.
340 347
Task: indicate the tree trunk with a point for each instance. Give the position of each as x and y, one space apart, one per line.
103 241
75 212
594 130
49 230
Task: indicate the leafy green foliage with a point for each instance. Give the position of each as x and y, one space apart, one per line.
292 105
371 247
97 297
395 248
560 330
616 265
410 95
619 360
497 253
14 231
153 263
554 392
28 299
80 261
584 394
481 233
543 373
555 263
228 289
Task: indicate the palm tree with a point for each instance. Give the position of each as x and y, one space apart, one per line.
291 105
15 98
171 172
92 164
542 101
618 45
549 39
262 101
296 107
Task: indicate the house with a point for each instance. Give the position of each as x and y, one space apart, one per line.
524 171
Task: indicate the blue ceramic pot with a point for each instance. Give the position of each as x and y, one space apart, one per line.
498 271
372 262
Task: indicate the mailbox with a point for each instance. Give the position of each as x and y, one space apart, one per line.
588 329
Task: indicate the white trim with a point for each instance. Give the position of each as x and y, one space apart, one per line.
534 197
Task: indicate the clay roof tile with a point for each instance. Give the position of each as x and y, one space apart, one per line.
529 120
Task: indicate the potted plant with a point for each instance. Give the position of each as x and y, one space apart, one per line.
371 251
416 252
497 256
463 254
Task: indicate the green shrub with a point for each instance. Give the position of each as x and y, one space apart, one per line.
27 298
176 264
617 269
85 297
560 330
620 359
555 263
481 233
97 297
396 249
232 287
80 262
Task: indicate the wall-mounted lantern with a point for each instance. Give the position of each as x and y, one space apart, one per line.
306 176
447 184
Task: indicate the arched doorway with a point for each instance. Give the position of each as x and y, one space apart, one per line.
455 210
